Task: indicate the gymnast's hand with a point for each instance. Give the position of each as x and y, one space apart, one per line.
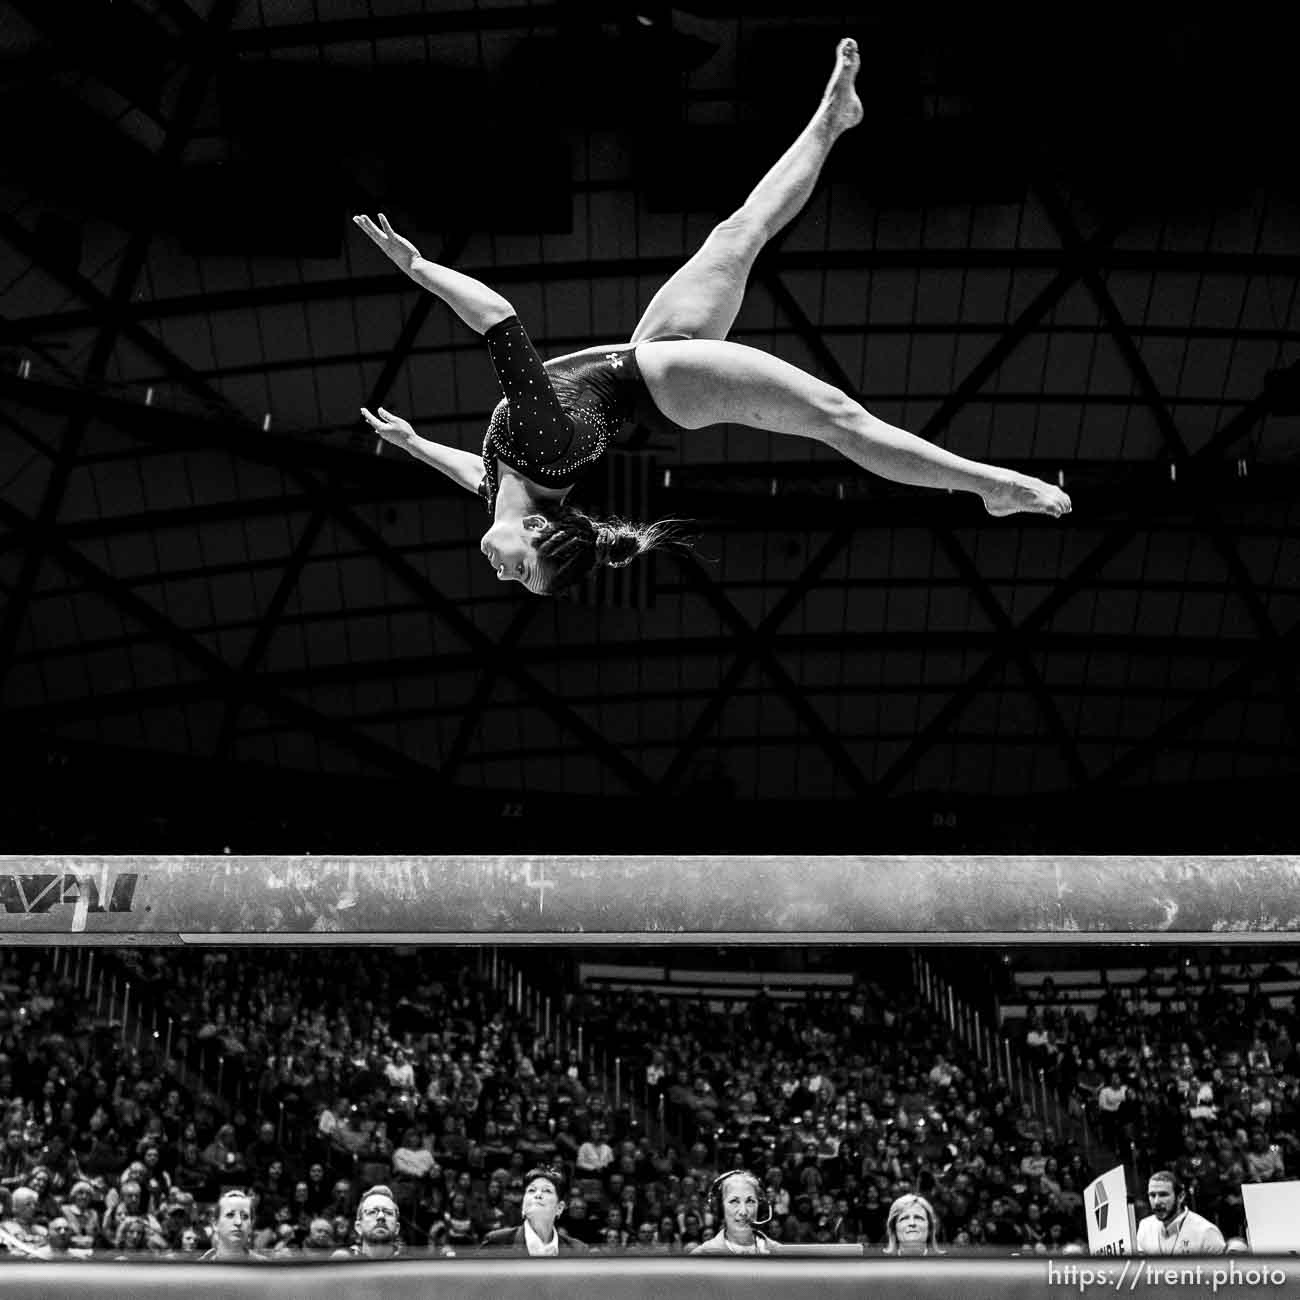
391 428
397 249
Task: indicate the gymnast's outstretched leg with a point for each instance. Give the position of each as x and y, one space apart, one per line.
702 299
698 382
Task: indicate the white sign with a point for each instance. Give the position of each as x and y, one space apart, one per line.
1272 1217
1106 1209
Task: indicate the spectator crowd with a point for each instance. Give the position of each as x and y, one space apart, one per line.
1193 1069
343 1070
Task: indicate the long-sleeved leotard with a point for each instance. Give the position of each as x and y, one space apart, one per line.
557 418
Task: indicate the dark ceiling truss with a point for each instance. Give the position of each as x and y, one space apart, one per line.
359 287
1231 686
383 27
760 648
1023 658
254 690
115 317
978 376
507 661
1236 428
400 352
558 344
130 265
474 712
1243 655
750 647
1080 262
1179 454
297 561
243 687
742 494
267 623
1065 590
87 43
512 665
1229 650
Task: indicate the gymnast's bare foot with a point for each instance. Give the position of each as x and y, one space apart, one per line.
1019 492
841 102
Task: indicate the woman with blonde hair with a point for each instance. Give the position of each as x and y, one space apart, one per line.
911 1227
741 1204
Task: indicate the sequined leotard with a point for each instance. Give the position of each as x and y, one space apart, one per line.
557 419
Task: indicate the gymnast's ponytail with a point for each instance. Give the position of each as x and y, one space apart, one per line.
574 544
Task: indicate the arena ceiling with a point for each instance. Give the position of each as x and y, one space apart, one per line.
1074 251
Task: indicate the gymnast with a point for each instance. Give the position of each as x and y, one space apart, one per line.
677 373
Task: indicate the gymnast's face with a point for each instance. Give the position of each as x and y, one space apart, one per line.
511 549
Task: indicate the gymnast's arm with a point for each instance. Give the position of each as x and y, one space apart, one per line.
462 467
477 305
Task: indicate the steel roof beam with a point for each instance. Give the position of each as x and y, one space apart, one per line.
1171 436
473 713
1174 648
493 654
379 284
1232 687
1000 620
384 27
975 379
400 352
547 700
1235 686
749 647
128 271
1065 590
221 673
790 690
266 626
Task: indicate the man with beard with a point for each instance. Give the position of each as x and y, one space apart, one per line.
233 1230
376 1227
542 1205
1171 1228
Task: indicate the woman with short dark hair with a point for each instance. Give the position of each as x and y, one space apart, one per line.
544 1192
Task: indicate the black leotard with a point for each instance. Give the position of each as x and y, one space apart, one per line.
556 419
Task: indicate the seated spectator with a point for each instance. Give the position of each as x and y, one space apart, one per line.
40 1182
222 1157
1264 1161
320 1242
21 1232
412 1166
81 1216
539 1233
15 1160
911 1227
59 1245
135 1237
263 1151
461 1228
